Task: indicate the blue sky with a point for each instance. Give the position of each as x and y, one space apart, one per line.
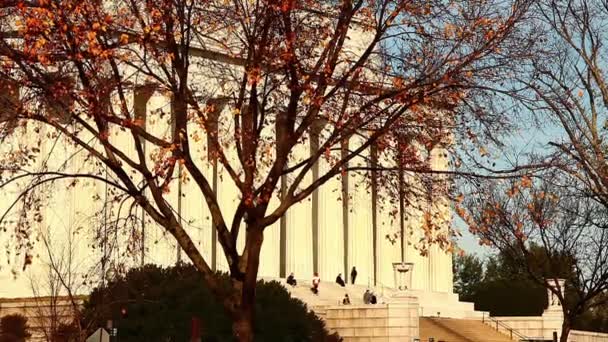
529 138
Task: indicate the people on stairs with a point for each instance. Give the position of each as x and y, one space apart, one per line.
367 296
315 283
339 280
346 300
291 280
353 275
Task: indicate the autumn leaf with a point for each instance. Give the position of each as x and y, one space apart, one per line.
483 151
398 82
526 182
460 198
512 192
124 38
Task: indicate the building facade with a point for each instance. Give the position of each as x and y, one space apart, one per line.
348 222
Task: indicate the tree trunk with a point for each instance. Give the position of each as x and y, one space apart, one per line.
565 330
244 315
242 326
243 311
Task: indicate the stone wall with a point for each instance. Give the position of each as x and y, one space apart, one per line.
41 312
531 327
393 322
537 327
586 336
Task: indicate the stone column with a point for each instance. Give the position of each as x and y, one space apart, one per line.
283 234
373 174
346 236
314 146
141 96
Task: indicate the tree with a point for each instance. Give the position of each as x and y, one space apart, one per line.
288 73
491 279
158 304
67 332
570 90
570 94
550 232
468 275
14 328
56 291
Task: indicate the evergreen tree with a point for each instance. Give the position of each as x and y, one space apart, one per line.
158 304
14 328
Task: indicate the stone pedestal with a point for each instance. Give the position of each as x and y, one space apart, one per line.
553 316
557 285
403 275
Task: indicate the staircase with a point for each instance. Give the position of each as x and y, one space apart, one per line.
458 330
320 311
331 294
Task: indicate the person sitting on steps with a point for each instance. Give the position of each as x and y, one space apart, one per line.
367 297
315 283
291 280
339 280
373 299
346 300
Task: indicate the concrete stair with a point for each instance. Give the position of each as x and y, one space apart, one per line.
331 294
320 311
458 330
431 304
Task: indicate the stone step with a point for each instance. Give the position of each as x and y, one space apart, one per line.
458 330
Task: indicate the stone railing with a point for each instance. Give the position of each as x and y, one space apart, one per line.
504 328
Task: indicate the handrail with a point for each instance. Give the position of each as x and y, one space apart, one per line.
506 327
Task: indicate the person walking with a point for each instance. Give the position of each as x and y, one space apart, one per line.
315 283
340 281
353 275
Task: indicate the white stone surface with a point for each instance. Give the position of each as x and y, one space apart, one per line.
586 336
375 323
74 208
100 335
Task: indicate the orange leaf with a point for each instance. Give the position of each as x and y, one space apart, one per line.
124 38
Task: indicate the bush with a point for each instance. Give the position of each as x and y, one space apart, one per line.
14 328
158 304
511 298
66 333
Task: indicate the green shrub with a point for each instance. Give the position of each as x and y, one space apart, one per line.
161 302
515 297
14 328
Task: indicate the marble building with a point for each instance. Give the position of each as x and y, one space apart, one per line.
336 228
341 225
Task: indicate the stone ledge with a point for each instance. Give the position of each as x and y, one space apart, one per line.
356 312
398 331
356 322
